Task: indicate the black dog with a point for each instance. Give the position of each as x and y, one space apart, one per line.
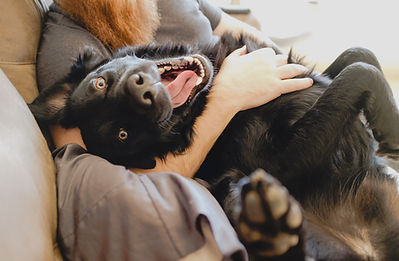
142 103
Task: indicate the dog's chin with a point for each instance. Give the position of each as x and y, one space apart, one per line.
165 112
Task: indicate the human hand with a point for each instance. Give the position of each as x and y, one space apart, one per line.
250 80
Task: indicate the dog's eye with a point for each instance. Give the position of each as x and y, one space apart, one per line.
122 135
100 83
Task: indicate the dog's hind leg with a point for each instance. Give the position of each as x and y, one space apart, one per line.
359 87
350 56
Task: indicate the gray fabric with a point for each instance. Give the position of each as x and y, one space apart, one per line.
213 14
185 21
61 43
109 213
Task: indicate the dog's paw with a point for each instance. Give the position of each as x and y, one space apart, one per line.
270 218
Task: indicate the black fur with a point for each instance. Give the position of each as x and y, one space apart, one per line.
318 142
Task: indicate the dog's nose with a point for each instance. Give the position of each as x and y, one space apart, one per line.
142 89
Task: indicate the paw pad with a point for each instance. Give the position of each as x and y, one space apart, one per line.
270 217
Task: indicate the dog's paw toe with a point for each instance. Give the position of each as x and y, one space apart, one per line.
270 218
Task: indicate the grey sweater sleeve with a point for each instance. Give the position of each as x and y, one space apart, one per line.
109 213
187 21
211 12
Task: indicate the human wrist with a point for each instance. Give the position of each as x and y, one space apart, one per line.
223 97
207 129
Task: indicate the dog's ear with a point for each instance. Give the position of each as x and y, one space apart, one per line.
87 61
48 107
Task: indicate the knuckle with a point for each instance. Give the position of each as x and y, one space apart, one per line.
297 68
267 51
282 57
270 51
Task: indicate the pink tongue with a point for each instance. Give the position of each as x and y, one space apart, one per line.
181 87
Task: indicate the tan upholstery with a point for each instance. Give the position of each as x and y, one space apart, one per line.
20 22
28 211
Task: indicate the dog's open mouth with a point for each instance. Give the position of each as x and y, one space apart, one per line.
184 77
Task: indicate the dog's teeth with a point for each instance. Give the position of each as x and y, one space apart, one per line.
161 70
202 72
199 81
189 60
167 68
175 67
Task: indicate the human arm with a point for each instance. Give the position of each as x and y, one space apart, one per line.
109 213
222 22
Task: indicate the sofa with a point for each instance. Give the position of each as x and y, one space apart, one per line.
28 213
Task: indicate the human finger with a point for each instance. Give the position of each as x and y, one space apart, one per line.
296 84
281 59
291 70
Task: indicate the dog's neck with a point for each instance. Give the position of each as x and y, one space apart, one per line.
116 23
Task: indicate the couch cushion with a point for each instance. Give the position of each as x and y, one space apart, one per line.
28 211
21 22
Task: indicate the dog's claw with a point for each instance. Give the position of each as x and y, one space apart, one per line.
270 218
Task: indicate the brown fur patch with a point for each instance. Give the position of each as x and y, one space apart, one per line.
116 23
